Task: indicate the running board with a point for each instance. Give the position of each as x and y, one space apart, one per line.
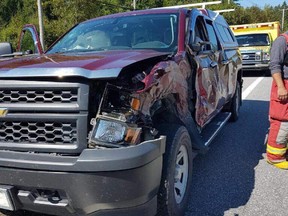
214 127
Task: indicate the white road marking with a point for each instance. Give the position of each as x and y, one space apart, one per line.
250 88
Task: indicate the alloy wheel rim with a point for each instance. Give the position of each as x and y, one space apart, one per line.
181 174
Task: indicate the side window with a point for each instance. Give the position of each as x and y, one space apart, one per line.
199 33
229 34
200 30
222 32
212 36
225 33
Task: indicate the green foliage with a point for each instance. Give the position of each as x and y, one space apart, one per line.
27 43
61 15
14 14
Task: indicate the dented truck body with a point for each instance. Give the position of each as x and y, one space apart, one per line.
81 124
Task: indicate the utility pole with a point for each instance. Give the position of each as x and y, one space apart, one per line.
41 29
134 4
282 23
283 14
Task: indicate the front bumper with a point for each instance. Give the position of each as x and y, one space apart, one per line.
256 66
120 181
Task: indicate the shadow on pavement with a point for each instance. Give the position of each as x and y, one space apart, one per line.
20 213
254 73
224 177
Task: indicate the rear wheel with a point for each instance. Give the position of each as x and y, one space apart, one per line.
236 102
176 183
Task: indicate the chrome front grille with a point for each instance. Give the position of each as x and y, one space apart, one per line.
44 116
38 132
38 96
248 56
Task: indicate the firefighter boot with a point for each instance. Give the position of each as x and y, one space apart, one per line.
280 165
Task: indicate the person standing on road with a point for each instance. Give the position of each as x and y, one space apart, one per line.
276 151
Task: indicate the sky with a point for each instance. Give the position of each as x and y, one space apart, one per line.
261 3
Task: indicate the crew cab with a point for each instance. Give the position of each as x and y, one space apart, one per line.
107 121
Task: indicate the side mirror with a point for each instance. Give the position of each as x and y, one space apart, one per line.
5 48
28 52
198 44
196 47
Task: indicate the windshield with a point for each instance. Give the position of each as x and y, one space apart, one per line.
155 31
253 40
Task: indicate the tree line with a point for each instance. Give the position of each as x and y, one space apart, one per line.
61 15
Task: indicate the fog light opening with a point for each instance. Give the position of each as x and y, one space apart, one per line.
51 196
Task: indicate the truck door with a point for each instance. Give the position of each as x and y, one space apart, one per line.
207 74
221 76
29 42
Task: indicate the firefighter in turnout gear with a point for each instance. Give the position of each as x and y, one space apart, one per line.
278 112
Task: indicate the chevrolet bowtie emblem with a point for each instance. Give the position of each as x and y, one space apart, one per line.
3 112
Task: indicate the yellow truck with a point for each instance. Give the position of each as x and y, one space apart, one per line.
255 41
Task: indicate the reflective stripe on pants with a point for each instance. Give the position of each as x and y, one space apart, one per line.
277 141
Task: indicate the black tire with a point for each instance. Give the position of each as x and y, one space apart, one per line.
235 104
175 187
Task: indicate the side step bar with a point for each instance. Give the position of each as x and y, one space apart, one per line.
214 127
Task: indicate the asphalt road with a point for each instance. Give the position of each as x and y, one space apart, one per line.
233 178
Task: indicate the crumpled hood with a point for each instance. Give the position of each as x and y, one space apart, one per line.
106 64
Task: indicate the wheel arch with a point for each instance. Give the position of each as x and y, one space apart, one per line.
164 111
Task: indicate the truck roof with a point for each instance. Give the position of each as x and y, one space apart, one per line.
216 17
211 14
141 12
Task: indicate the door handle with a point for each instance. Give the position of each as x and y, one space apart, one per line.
225 62
213 64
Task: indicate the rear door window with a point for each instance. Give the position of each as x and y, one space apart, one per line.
212 36
225 33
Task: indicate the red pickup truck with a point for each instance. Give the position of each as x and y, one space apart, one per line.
108 120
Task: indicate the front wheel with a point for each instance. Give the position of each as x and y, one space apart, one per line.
176 182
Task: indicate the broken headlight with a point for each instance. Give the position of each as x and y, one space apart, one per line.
109 131
116 122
